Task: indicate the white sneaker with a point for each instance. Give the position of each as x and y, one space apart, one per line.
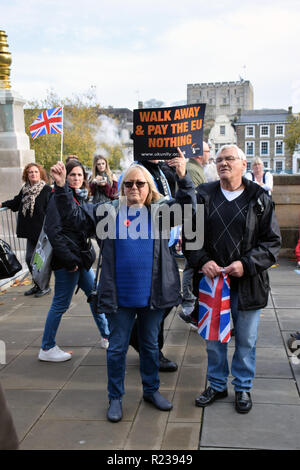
54 355
104 343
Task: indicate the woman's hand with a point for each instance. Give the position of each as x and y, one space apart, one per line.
179 163
58 173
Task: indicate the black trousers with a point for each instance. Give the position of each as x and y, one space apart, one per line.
134 340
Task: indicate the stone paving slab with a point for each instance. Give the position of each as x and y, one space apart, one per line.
267 426
63 406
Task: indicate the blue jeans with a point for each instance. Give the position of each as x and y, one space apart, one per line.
244 359
120 326
65 284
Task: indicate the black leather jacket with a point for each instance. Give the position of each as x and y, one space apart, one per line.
260 246
66 241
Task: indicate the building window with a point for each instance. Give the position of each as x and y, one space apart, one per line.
264 148
224 100
250 132
264 131
279 147
249 149
267 164
222 130
248 165
279 129
279 165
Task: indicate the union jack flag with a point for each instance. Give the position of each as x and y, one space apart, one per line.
48 122
214 308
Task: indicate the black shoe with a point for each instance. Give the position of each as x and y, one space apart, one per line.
209 396
158 401
114 412
243 402
32 291
188 319
165 365
40 292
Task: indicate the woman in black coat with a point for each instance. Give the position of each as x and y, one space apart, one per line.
31 204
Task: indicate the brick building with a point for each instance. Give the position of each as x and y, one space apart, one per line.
261 133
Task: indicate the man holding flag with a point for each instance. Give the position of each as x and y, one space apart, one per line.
241 241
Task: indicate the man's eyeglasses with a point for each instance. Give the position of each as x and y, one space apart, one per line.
226 159
139 184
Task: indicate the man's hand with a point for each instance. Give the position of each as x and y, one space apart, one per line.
180 164
73 270
58 173
235 269
211 269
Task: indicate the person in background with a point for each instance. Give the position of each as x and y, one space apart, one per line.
31 204
195 165
71 157
294 340
103 183
259 176
139 276
188 311
70 268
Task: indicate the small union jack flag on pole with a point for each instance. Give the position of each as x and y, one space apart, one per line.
214 308
48 122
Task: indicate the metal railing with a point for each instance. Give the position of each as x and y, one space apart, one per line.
8 223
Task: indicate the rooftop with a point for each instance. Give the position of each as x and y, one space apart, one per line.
262 115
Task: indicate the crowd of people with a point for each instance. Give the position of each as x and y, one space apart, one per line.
139 282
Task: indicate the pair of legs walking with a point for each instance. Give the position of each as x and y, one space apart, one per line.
65 284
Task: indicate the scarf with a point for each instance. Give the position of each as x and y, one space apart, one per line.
30 193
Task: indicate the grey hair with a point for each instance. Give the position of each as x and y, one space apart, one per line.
240 152
257 161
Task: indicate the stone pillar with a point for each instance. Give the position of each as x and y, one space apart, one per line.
15 151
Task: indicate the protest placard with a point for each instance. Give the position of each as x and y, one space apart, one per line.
159 131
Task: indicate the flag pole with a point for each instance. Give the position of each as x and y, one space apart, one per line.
62 134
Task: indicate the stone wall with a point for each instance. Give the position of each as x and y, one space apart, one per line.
286 195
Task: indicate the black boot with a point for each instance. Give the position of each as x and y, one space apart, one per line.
33 290
165 365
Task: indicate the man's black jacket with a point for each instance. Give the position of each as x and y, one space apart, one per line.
260 246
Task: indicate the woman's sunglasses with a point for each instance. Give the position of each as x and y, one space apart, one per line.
139 184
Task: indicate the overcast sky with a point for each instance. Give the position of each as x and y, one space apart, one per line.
139 49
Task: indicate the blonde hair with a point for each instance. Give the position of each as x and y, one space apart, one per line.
153 194
95 171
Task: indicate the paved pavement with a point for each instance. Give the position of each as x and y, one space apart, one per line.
63 406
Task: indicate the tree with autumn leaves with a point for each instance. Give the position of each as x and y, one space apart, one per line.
81 124
292 139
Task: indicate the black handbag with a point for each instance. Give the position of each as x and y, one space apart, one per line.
88 256
9 264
